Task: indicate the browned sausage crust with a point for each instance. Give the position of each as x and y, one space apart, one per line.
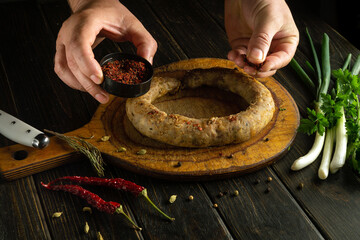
183 131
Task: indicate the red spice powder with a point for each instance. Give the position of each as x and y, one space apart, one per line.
125 71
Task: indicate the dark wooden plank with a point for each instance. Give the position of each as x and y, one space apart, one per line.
262 209
7 101
168 49
189 23
21 214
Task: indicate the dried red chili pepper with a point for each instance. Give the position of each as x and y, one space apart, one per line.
117 183
93 199
125 71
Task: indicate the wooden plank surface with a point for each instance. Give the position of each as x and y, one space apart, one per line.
187 29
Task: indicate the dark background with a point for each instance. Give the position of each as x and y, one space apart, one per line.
342 15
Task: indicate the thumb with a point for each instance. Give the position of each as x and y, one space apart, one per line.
145 44
260 41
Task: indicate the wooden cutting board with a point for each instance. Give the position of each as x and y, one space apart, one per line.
162 160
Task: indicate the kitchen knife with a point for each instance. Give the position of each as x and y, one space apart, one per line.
22 133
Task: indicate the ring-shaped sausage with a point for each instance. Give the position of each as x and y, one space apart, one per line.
184 131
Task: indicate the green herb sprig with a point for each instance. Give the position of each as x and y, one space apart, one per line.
86 148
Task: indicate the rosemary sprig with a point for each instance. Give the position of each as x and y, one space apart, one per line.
85 148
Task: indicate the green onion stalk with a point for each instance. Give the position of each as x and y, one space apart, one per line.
323 77
354 142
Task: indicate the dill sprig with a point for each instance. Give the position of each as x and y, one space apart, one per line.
86 148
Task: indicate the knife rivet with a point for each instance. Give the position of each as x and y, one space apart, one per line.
28 131
13 122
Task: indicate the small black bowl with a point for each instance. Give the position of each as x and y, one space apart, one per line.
127 90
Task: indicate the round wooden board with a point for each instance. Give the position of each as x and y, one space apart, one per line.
162 160
177 163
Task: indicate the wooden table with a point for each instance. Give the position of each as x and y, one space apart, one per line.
30 90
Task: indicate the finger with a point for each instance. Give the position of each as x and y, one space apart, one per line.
237 56
281 55
63 71
257 73
143 41
81 49
260 41
264 74
87 84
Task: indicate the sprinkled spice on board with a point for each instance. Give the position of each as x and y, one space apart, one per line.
152 112
232 118
230 156
125 71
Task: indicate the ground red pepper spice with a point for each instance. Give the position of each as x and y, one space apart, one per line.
125 71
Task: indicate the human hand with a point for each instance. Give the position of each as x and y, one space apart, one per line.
91 21
263 31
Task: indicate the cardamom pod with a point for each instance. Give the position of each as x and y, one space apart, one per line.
141 152
57 214
86 228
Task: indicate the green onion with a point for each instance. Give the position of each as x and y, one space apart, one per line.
356 68
325 65
303 75
347 62
316 60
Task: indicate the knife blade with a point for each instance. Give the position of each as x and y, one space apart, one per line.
21 132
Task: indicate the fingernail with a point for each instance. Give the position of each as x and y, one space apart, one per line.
256 53
101 98
96 79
